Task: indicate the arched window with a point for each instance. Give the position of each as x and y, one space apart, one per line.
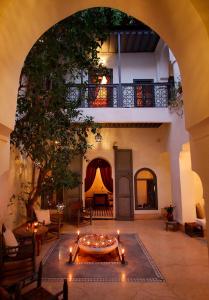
145 189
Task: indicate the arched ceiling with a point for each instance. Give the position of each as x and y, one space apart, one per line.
184 26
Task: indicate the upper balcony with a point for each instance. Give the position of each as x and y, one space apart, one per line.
126 95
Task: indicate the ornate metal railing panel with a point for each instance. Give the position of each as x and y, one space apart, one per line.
126 95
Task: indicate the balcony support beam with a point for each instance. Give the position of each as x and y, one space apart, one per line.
120 98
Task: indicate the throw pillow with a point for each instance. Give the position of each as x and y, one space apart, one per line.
200 211
10 240
43 215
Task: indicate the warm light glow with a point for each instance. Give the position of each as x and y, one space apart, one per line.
123 251
35 230
78 232
118 232
123 277
104 80
35 224
70 249
70 277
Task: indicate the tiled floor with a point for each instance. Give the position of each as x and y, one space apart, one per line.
182 260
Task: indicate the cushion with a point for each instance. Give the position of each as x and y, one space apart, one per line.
201 222
10 240
200 211
43 215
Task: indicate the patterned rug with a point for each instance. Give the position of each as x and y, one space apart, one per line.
139 266
102 213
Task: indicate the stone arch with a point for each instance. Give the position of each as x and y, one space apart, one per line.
157 14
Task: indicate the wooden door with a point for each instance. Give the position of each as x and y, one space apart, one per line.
124 184
75 194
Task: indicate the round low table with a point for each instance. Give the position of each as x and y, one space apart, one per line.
39 233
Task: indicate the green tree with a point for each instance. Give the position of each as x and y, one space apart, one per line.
50 129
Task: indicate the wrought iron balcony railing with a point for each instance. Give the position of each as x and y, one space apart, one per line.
126 95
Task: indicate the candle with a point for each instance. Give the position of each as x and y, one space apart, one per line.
35 230
78 235
123 256
118 232
35 224
70 255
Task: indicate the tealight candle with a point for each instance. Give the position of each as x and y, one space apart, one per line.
123 256
118 232
35 224
78 235
70 255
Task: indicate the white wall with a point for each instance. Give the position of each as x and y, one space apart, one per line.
129 115
153 65
149 150
176 138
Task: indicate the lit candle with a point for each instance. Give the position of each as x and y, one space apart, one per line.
35 224
78 235
118 232
123 256
35 230
70 255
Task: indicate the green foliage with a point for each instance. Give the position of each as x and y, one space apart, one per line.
49 127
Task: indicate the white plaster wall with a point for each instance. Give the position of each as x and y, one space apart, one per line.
175 66
188 187
129 115
161 58
152 65
149 150
177 136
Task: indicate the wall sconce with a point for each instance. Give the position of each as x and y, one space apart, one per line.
98 137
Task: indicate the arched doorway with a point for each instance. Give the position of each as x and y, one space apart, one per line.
99 188
145 189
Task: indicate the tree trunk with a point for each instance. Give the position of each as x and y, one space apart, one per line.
35 194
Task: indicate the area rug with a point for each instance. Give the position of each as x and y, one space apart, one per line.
139 266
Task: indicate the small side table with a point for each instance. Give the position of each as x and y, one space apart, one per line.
39 235
173 224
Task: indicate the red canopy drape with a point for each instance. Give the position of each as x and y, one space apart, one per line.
105 170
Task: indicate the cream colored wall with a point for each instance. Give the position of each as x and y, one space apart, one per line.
20 172
191 186
149 151
188 187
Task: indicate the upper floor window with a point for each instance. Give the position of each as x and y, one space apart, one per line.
145 189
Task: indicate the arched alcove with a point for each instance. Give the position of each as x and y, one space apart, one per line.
145 181
99 187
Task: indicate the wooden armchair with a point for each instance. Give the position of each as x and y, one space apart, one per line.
39 293
16 262
53 224
81 215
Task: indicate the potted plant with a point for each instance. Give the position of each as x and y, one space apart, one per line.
169 210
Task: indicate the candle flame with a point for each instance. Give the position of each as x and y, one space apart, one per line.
78 232
70 249
123 251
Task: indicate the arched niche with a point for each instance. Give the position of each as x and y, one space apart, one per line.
145 181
